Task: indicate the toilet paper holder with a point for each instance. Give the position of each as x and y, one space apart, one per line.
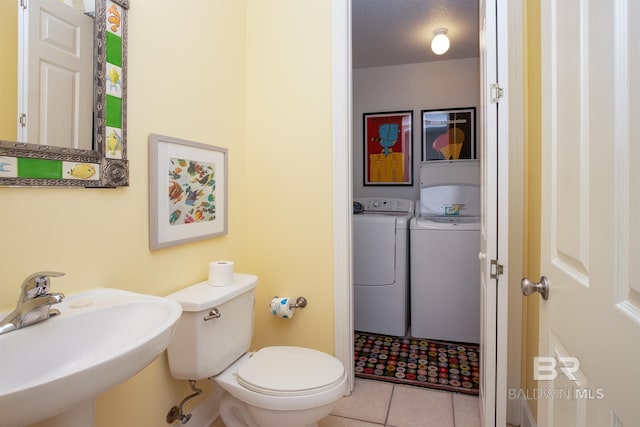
301 302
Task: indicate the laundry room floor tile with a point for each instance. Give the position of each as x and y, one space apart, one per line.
412 407
368 402
466 410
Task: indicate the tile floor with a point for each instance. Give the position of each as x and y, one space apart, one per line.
376 403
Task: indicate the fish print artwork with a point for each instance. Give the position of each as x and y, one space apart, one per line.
191 192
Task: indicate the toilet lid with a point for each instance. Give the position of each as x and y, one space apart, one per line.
290 371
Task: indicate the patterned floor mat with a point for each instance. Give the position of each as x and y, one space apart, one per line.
420 362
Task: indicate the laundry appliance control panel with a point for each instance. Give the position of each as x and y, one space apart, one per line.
383 205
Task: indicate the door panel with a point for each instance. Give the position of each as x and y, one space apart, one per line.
628 197
589 248
570 182
568 411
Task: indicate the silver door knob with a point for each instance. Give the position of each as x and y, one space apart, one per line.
542 287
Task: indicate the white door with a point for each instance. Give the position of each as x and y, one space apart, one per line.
57 75
493 147
590 247
488 232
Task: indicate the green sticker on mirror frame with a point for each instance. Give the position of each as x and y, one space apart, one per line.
39 168
113 50
113 112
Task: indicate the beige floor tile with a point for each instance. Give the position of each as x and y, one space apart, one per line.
465 410
417 407
368 402
330 421
335 421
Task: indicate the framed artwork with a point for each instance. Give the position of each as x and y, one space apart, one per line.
388 148
187 191
449 134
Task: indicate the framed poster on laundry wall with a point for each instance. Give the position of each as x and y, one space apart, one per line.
388 148
449 134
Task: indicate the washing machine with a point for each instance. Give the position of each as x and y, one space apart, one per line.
445 242
381 265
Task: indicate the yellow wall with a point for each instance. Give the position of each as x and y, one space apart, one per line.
8 70
289 156
532 196
257 80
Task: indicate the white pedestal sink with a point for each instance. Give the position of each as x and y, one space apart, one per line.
57 367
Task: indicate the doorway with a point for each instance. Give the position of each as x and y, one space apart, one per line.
343 193
395 74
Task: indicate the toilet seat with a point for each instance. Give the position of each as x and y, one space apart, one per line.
290 371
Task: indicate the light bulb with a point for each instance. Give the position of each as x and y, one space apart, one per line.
440 43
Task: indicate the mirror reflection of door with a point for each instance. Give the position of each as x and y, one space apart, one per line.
55 74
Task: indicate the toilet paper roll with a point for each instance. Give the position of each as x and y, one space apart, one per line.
220 273
280 307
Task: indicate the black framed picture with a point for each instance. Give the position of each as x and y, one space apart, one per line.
449 134
388 148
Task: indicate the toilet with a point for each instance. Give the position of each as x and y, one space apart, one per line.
274 386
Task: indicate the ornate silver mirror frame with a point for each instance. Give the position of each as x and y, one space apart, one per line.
26 164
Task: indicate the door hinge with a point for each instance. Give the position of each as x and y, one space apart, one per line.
497 269
497 92
23 4
22 120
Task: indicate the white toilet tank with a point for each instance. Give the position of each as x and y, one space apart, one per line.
215 329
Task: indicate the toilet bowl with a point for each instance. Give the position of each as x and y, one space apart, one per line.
274 386
281 386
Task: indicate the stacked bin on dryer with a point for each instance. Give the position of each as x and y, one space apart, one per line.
445 242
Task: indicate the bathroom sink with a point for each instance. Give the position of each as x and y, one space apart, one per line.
100 338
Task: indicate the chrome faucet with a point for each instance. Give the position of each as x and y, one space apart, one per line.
34 303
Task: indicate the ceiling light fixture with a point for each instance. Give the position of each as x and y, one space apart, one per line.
440 43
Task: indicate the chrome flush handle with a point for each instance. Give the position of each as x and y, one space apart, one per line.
214 313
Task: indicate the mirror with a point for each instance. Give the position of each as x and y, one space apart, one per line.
52 43
106 165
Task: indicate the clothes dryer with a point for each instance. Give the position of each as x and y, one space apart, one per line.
381 270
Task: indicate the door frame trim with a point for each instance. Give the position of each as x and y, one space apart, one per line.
343 170
342 194
512 12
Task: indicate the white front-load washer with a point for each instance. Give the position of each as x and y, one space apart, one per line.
445 270
380 261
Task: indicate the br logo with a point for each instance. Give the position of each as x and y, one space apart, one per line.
545 368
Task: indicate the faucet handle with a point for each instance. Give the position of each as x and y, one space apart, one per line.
37 284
